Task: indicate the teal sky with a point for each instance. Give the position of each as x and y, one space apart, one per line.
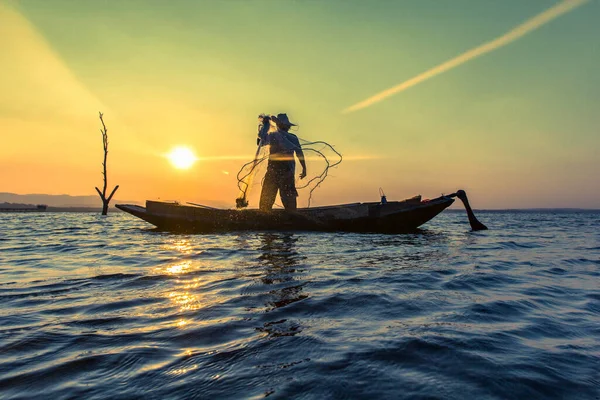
518 127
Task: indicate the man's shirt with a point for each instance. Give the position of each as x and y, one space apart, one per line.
282 145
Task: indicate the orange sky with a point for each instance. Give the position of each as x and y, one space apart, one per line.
510 134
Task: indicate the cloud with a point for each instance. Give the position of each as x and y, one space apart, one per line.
509 37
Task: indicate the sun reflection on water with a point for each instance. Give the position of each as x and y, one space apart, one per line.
182 295
185 300
182 371
179 268
182 322
185 291
192 283
181 245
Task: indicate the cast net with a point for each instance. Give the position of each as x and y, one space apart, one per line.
320 157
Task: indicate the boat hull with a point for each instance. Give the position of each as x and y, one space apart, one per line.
393 217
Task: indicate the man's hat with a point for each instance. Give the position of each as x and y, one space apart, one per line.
282 119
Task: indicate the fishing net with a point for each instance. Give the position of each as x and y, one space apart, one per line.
319 156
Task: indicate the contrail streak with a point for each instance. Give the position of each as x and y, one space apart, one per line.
512 35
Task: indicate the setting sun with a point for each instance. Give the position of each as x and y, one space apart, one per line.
182 157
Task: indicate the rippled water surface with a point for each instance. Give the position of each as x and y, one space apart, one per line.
96 307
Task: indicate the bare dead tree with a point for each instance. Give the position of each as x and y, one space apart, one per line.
105 200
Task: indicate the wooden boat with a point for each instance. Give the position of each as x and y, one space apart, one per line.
391 217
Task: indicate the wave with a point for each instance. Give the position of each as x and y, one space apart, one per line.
112 309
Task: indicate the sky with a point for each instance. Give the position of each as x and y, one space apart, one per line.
516 126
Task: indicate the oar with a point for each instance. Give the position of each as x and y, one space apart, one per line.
202 206
475 224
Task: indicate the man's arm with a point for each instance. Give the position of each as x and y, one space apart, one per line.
300 155
263 133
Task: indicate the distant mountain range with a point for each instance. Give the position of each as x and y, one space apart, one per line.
61 200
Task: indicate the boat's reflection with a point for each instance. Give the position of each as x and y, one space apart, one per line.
281 265
282 280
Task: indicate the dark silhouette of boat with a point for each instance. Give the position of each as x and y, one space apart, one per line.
387 217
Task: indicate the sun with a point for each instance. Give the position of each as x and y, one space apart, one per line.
182 157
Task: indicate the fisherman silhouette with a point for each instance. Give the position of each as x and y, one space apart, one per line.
281 165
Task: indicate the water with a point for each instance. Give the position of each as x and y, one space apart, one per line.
98 307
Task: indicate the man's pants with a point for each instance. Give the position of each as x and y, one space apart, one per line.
279 177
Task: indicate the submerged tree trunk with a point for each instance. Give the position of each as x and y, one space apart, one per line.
102 194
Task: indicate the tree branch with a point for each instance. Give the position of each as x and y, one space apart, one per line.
100 193
112 193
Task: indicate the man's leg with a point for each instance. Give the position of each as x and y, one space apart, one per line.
269 191
287 190
288 199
